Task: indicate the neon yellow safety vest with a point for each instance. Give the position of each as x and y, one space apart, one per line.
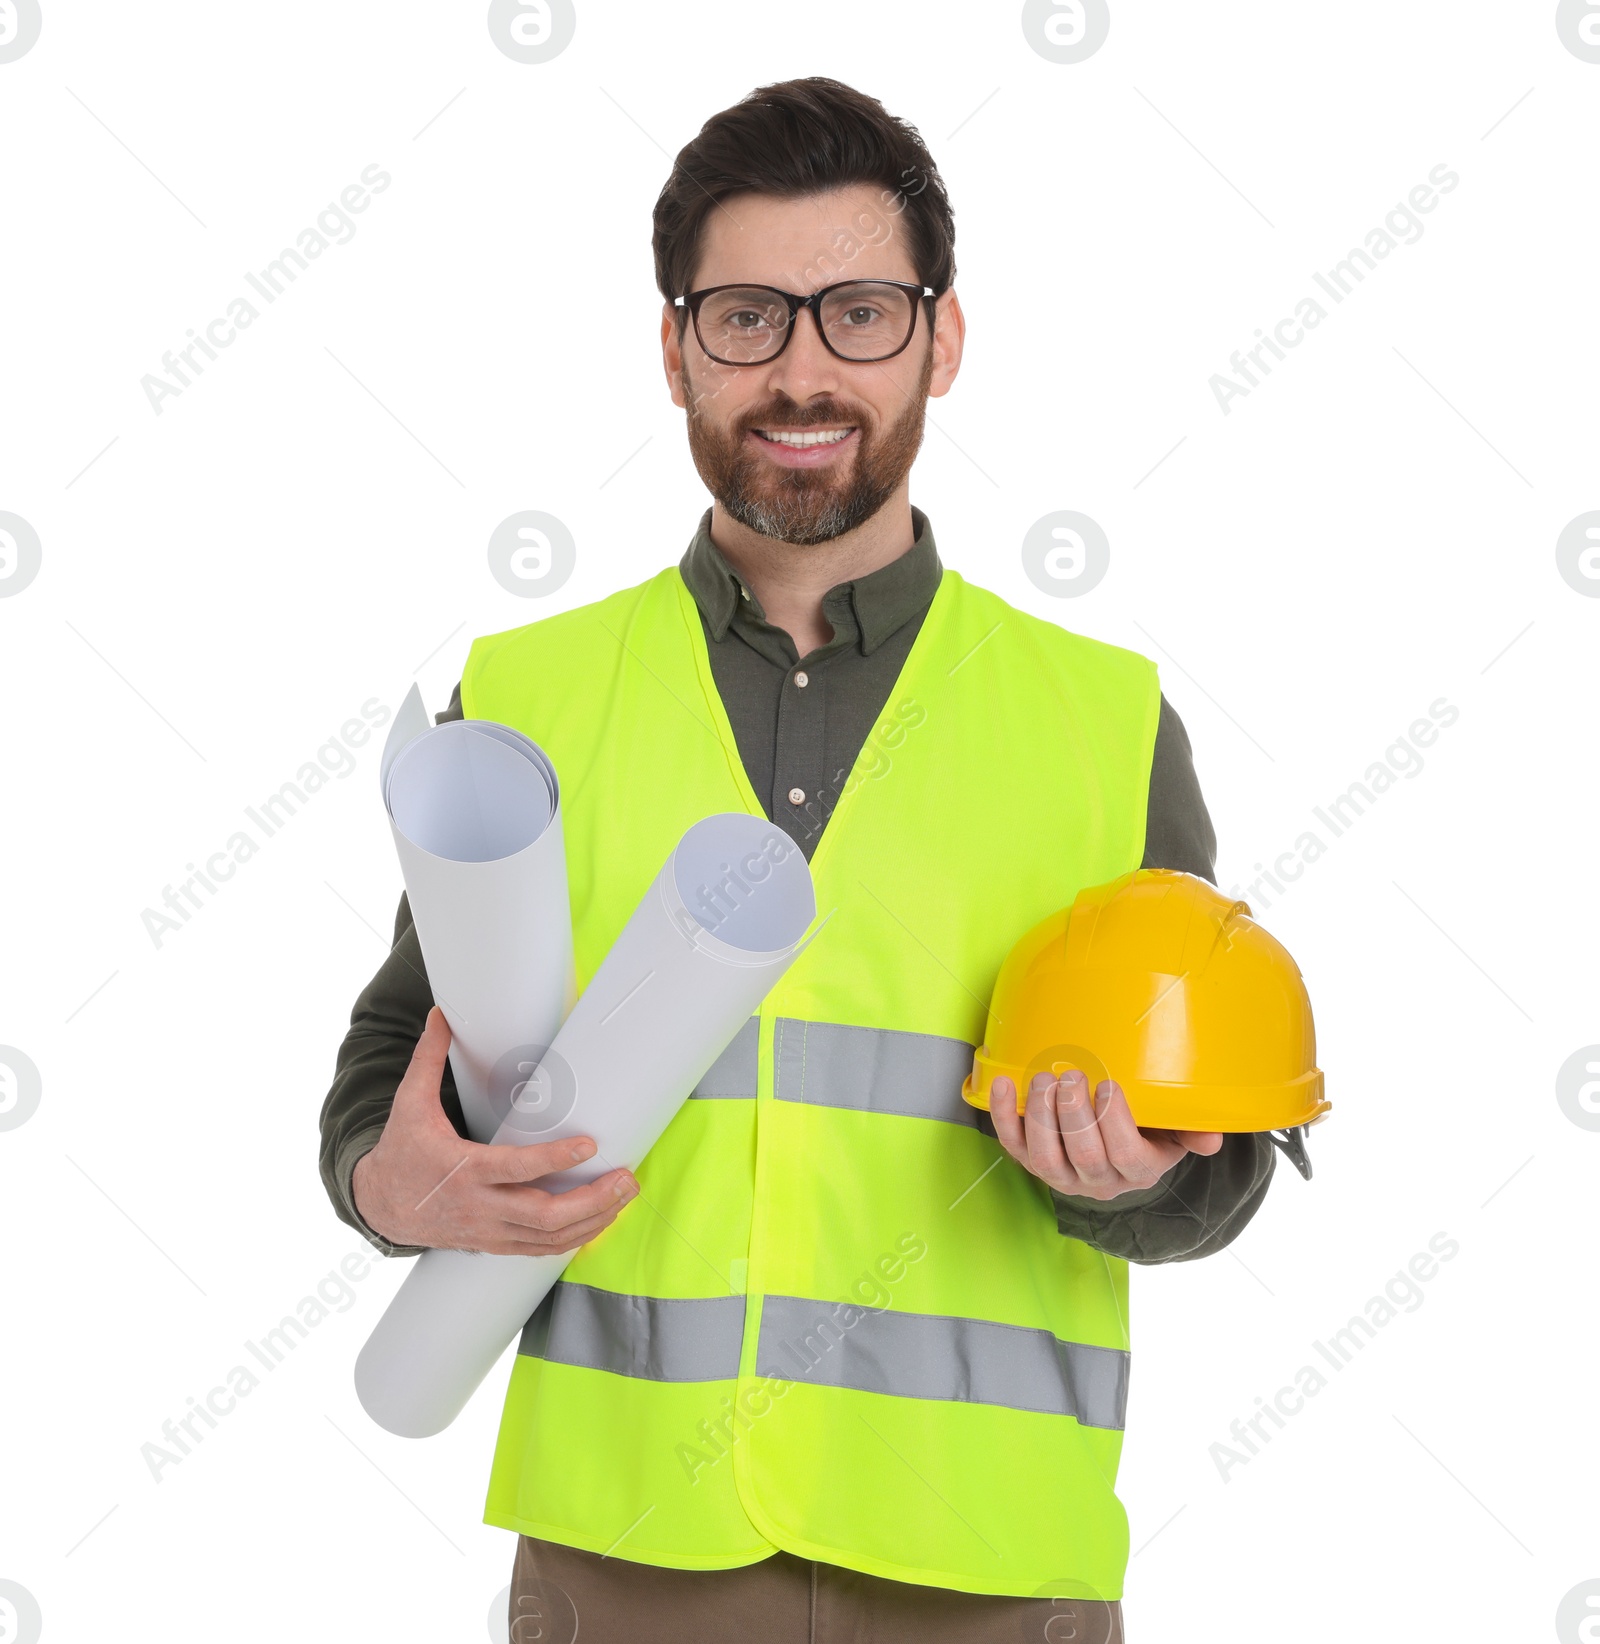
839 1320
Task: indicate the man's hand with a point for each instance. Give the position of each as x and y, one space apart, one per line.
1091 1149
425 1185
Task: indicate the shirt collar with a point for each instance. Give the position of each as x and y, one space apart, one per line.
882 601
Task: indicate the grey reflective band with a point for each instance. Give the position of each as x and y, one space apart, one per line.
832 1344
873 1070
928 1356
830 1064
653 1337
733 1074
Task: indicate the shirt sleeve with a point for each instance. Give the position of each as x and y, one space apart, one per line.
1203 1203
385 1025
1178 832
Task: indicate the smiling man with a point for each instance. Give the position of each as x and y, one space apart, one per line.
856 1366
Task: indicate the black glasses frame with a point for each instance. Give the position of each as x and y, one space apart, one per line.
693 299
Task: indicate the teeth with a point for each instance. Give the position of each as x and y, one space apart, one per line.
794 437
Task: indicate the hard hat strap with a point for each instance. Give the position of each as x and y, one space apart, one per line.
1293 1143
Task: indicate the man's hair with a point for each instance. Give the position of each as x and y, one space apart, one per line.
797 138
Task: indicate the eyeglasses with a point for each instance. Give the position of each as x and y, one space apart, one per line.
859 320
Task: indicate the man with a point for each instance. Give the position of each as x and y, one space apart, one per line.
855 1367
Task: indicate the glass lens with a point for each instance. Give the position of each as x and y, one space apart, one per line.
868 320
743 324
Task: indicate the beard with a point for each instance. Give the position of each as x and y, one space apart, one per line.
806 505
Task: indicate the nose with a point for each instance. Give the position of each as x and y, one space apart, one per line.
806 367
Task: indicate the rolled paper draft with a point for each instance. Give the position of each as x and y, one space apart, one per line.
718 926
475 809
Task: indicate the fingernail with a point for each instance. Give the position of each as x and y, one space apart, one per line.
625 1189
579 1150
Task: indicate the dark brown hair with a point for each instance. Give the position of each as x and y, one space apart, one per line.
796 138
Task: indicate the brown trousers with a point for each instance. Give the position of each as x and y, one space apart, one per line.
559 1594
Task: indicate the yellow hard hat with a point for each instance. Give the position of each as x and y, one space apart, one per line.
1160 981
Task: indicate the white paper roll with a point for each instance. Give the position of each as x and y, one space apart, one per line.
720 924
475 809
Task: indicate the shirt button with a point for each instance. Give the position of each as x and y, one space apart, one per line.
802 678
797 796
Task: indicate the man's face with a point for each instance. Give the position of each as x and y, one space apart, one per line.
871 413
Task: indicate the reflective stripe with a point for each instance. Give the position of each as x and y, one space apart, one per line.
873 1070
733 1074
656 1337
832 1344
927 1356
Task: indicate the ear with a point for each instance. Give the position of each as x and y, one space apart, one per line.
672 354
949 336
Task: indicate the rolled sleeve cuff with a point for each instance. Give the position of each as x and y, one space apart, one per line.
351 1151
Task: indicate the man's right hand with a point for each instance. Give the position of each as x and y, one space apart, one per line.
425 1185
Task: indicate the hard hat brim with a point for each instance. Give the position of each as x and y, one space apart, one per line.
1158 1106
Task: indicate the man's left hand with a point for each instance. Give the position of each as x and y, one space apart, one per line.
1089 1148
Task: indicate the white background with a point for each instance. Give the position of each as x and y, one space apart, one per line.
1365 533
